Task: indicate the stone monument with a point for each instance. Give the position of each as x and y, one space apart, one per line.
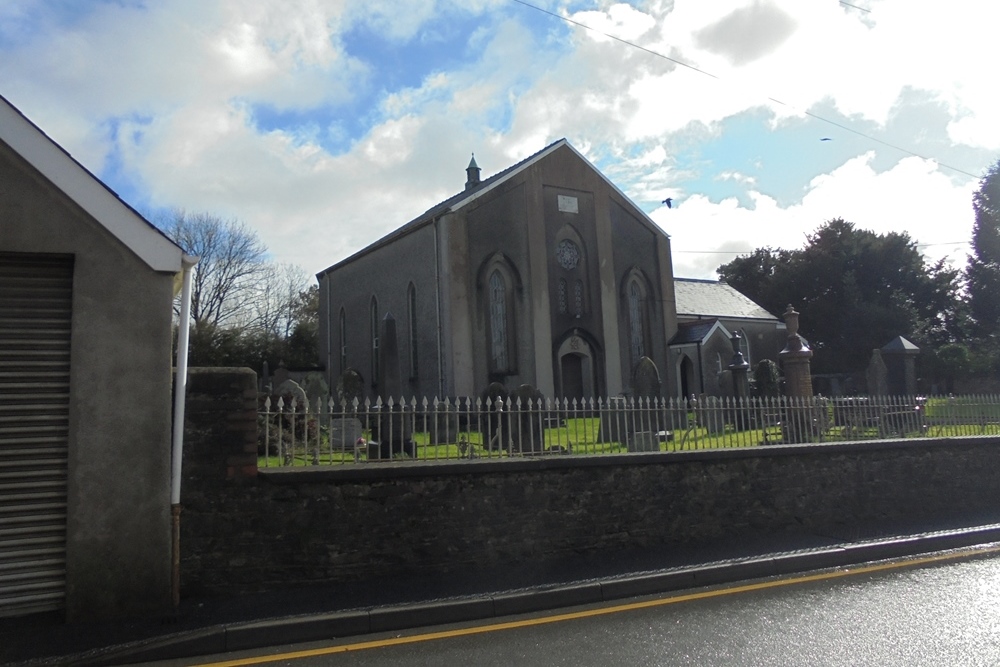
797 419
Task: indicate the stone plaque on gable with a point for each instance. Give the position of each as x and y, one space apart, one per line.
568 204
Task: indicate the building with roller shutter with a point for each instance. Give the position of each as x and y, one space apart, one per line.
86 293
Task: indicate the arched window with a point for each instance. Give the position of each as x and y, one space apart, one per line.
571 257
499 358
499 287
375 340
343 340
636 321
411 319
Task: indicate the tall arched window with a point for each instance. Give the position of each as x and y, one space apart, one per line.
571 257
411 319
499 358
343 340
375 340
636 321
498 286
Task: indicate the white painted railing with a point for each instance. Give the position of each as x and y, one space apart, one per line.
327 432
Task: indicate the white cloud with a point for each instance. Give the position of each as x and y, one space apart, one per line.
914 196
181 77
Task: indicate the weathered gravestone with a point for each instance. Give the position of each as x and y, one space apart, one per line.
877 375
496 431
526 421
900 357
394 428
345 432
642 437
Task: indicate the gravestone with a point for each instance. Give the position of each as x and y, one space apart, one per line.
344 433
290 389
280 374
316 390
350 388
877 375
646 379
442 423
614 420
496 429
900 357
394 432
710 414
526 422
644 441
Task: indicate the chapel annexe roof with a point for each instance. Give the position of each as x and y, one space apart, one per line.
711 298
467 196
89 192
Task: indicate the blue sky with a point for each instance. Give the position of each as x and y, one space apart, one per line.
325 124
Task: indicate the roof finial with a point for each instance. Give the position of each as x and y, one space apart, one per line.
472 173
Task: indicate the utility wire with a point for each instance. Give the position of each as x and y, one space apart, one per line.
740 252
772 99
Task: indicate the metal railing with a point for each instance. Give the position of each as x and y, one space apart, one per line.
295 433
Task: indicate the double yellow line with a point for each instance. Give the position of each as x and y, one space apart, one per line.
587 613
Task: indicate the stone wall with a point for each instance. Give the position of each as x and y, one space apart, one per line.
243 532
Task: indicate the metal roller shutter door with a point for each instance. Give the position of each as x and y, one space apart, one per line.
35 309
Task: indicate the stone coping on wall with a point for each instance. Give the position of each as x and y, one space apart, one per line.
358 472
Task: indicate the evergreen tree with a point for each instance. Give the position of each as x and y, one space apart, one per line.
983 273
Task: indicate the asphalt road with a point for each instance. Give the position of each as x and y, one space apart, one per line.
924 612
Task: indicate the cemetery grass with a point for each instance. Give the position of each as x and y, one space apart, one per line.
580 436
574 436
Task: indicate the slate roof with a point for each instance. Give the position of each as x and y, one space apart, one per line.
692 332
459 200
710 298
900 345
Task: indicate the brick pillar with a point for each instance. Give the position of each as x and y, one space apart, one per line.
220 430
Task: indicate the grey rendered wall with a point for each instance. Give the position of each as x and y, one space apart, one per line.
385 273
118 539
500 225
636 246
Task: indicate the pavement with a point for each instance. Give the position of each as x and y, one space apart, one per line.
219 625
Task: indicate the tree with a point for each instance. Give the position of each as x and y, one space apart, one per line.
232 258
246 310
855 290
982 274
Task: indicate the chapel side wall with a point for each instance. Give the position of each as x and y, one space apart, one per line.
385 272
765 339
118 505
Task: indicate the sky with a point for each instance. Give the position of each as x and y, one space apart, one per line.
326 124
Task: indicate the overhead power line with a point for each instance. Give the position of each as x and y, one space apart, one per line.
772 99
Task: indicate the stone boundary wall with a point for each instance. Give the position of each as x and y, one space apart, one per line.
243 532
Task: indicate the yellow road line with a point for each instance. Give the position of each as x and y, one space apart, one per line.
645 604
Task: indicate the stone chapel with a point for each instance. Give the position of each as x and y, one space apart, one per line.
543 274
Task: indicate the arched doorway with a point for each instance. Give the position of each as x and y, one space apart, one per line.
576 365
685 376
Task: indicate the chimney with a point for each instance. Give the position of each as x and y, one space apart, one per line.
472 174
